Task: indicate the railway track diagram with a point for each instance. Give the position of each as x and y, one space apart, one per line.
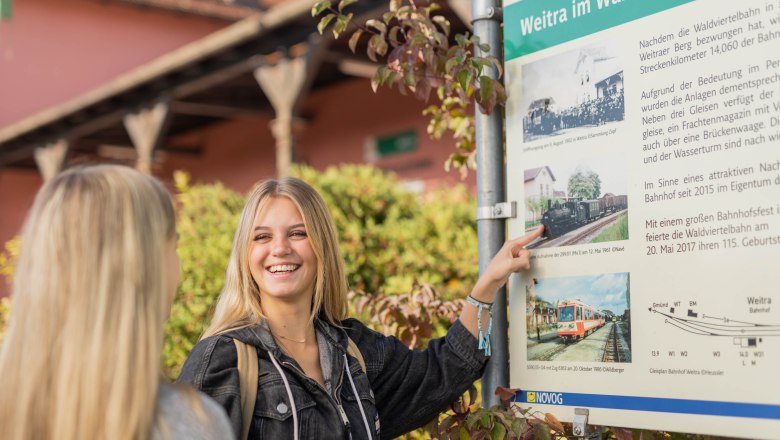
747 334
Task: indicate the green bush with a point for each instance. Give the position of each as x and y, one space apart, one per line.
392 237
5 310
206 219
7 261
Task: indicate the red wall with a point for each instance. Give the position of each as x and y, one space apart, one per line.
17 191
55 50
343 118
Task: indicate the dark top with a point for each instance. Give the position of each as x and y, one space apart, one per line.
402 388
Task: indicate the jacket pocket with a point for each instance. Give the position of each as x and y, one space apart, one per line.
272 417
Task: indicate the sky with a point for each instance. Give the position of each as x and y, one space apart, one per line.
603 292
611 170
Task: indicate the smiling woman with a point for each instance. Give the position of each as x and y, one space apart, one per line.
281 259
286 295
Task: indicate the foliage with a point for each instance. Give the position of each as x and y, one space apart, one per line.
615 232
537 204
7 261
392 238
5 312
584 184
8 258
413 317
206 218
421 57
502 421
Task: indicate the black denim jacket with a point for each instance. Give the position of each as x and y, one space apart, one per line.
401 387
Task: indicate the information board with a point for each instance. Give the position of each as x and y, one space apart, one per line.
645 136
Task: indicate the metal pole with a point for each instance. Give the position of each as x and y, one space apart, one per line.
491 233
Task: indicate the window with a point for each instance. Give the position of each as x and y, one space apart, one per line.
566 313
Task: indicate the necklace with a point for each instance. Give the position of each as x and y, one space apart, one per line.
289 339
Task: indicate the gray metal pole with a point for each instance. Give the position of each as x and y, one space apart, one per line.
491 233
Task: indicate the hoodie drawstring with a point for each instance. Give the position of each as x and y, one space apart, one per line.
289 395
294 409
357 397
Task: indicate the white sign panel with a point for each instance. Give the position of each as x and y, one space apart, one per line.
645 136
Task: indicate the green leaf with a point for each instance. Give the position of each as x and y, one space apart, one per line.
377 80
341 24
486 87
390 77
344 3
319 7
353 40
498 432
378 25
325 22
443 23
464 78
464 434
393 36
371 49
541 432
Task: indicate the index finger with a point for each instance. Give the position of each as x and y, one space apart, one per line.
529 237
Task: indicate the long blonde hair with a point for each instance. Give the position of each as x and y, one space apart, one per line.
81 358
239 303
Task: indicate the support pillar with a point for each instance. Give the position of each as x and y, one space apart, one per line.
491 233
146 127
285 84
50 158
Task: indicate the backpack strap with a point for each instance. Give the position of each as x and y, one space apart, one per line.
354 351
247 376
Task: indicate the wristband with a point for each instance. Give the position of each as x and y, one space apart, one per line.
482 339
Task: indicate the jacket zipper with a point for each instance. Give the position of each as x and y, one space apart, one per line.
339 407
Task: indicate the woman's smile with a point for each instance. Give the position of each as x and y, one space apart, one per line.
281 259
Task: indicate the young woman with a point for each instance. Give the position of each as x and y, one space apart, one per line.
92 290
286 295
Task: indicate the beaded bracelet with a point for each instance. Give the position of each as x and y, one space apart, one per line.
484 340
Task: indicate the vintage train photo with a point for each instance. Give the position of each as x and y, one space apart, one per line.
564 216
583 318
577 320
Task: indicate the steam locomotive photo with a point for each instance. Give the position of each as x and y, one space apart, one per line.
564 216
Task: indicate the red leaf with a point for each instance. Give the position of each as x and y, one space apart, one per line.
505 395
555 425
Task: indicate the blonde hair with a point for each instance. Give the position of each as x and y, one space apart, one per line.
239 303
81 358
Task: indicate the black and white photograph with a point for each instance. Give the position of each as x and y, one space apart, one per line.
573 90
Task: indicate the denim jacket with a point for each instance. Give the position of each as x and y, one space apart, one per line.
405 388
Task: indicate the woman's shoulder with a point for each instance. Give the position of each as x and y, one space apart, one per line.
211 354
188 414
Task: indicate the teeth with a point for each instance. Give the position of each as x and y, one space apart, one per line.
283 268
